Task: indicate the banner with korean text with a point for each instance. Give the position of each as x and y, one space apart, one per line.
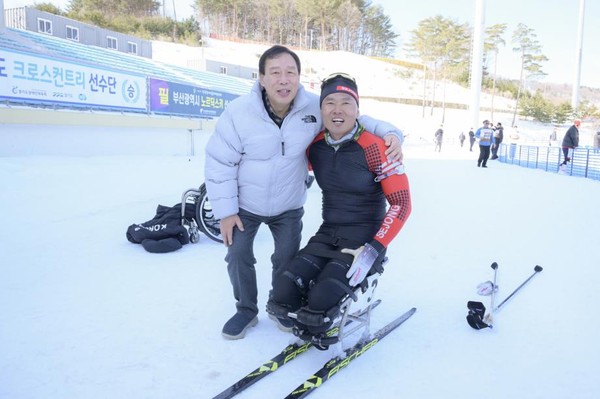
38 79
186 100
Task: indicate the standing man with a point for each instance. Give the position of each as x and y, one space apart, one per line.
461 138
256 172
485 135
571 140
498 137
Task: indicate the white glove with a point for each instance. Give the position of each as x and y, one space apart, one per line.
486 288
364 258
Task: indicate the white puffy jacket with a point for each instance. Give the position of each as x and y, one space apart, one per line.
253 164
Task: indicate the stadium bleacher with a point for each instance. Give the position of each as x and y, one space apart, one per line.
67 50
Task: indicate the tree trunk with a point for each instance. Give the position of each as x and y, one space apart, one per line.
518 91
443 96
174 23
494 84
433 92
424 89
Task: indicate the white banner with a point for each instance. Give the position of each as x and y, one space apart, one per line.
31 78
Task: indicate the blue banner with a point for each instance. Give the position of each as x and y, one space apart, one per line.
186 100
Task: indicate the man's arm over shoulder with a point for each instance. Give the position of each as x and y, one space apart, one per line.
393 136
394 183
380 128
397 192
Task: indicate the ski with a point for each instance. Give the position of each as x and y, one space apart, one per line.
288 354
333 366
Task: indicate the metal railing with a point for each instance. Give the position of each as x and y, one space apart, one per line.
585 162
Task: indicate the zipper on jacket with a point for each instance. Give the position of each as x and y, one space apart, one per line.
282 148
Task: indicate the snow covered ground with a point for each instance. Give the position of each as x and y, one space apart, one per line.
86 314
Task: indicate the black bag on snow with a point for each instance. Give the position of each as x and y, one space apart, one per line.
163 233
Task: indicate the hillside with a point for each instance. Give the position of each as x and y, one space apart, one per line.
562 92
379 80
375 78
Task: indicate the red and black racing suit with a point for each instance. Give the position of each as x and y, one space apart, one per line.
355 184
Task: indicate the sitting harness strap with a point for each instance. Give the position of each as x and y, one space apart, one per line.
277 310
347 289
329 247
311 318
315 318
298 281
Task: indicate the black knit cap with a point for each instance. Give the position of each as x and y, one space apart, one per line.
339 83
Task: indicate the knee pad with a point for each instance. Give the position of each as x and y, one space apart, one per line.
298 281
329 292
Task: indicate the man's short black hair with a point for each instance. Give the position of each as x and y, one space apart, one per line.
273 52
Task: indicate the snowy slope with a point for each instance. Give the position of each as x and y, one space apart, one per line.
376 78
86 314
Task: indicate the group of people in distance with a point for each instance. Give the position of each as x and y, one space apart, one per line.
488 143
490 138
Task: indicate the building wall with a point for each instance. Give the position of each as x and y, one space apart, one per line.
47 132
27 18
232 69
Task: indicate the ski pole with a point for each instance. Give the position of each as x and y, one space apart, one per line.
536 269
477 317
489 318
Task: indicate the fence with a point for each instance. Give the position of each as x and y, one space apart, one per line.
585 162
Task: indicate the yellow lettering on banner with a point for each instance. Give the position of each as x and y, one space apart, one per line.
163 94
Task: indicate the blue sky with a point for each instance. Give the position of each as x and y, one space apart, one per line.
554 21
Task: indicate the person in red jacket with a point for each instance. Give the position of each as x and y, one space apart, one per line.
357 181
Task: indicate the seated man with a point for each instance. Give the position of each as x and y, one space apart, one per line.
356 180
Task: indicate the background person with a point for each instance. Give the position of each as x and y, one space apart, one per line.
571 140
438 137
552 137
498 137
485 135
471 139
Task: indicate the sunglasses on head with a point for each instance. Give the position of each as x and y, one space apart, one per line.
337 75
